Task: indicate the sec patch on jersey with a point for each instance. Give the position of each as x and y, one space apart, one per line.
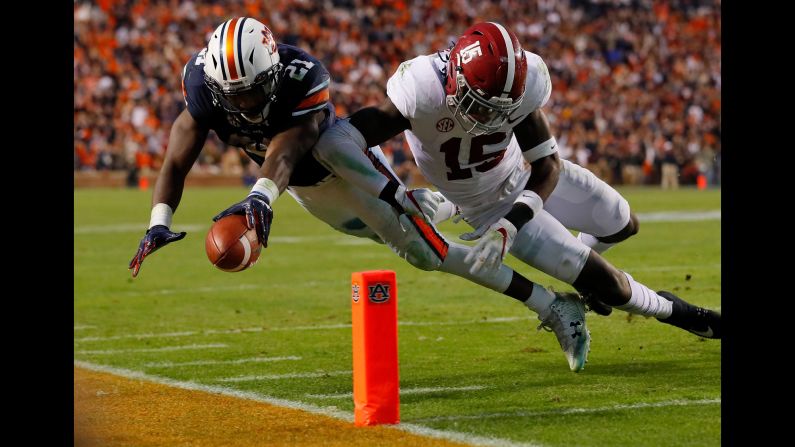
231 245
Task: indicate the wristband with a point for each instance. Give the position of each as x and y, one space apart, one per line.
532 200
266 187
161 215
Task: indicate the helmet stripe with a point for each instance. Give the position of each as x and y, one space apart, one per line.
511 60
221 49
230 49
240 48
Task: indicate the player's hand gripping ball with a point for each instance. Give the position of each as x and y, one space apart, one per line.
231 245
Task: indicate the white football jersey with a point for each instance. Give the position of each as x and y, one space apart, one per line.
472 172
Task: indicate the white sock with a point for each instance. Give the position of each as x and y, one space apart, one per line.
645 301
594 243
539 301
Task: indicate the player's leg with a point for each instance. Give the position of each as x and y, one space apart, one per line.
321 201
620 290
583 202
547 245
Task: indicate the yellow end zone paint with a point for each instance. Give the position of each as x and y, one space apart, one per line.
116 411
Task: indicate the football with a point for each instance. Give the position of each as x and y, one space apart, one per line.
230 245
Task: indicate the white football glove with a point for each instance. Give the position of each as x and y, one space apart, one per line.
419 202
495 242
446 210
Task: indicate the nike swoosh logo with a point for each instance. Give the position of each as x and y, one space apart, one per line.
510 121
708 333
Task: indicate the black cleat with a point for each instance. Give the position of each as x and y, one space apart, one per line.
593 304
702 322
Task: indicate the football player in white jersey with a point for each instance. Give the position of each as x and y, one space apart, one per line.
472 117
272 100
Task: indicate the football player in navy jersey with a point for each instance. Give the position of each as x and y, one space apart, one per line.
257 95
270 98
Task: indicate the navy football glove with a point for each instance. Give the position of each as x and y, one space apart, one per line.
155 238
258 214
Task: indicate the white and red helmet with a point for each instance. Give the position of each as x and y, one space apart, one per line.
242 66
485 77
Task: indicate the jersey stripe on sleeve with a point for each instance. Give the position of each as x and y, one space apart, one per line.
315 101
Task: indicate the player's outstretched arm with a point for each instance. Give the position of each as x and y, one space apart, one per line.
284 151
184 145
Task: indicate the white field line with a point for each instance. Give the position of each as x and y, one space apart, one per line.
171 334
679 216
162 349
220 362
139 227
186 290
312 375
403 391
290 328
138 336
562 411
665 268
331 412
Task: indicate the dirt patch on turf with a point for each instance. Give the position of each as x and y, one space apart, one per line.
116 411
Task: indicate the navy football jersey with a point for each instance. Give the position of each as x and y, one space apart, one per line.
303 89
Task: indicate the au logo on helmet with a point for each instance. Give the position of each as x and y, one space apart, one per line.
379 293
267 40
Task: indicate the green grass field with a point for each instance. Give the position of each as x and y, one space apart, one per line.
646 383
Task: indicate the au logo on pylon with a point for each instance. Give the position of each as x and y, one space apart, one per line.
379 293
376 390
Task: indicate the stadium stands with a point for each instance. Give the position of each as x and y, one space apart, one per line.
636 83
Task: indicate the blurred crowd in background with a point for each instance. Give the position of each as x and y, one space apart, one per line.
636 83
